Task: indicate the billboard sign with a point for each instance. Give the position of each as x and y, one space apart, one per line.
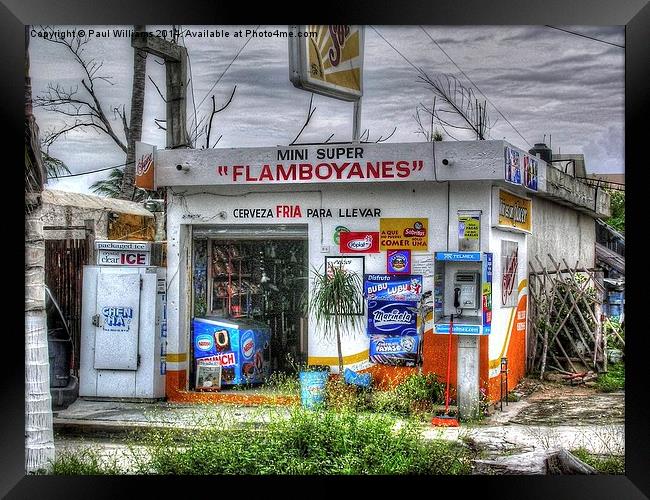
327 59
358 242
394 350
144 166
408 234
511 212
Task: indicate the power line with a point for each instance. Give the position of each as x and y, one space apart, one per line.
477 87
395 49
585 36
228 67
92 171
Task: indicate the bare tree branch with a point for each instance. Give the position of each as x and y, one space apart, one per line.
159 92
214 112
310 113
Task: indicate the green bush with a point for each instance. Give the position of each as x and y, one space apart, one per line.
414 396
613 379
86 461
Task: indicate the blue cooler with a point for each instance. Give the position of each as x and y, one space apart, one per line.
241 347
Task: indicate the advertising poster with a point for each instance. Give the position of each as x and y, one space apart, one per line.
409 234
509 271
530 172
395 351
469 231
511 212
358 242
392 318
512 166
144 166
398 262
391 287
487 294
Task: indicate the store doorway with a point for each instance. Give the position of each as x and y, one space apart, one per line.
259 279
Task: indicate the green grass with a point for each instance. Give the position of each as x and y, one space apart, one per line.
604 464
613 380
86 461
308 442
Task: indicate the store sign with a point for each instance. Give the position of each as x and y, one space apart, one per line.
459 329
318 164
358 242
394 350
394 318
459 256
512 165
144 166
531 173
327 60
511 212
410 234
392 288
142 246
521 168
398 262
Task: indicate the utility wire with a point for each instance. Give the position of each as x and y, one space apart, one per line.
585 36
477 88
228 67
92 171
395 49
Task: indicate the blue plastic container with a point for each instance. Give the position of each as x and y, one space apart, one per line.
358 379
615 297
615 310
312 388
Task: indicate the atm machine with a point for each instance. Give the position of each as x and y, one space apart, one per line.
123 325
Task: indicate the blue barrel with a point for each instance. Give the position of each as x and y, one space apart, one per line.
312 388
358 379
615 297
615 310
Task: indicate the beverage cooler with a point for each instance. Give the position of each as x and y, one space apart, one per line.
240 346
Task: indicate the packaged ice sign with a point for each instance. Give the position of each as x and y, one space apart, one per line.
359 242
117 319
392 287
113 258
394 318
394 351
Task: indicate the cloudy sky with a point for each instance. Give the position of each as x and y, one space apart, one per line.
546 82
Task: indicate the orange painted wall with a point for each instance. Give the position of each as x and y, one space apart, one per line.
434 354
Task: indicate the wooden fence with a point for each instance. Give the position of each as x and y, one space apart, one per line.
565 319
64 261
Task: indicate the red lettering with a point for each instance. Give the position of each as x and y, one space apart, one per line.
387 169
355 171
326 167
287 175
403 169
130 258
266 173
141 259
373 169
250 178
305 171
337 169
237 171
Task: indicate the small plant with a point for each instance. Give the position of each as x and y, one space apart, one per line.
335 302
613 379
87 461
604 464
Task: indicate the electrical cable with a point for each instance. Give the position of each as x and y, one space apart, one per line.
585 36
91 171
228 67
476 86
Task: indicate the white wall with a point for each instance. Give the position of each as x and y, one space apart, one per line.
562 232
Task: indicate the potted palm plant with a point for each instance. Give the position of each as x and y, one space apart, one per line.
336 299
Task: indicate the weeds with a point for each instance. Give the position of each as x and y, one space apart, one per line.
307 442
87 461
604 464
613 379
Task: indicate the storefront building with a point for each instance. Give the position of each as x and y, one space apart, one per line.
247 227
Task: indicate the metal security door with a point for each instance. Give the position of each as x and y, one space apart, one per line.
117 320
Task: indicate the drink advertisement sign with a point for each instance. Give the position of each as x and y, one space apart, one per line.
358 242
391 287
394 318
394 351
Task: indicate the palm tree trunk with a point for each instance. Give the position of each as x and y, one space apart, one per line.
134 132
39 436
338 343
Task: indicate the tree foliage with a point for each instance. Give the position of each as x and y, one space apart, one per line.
617 206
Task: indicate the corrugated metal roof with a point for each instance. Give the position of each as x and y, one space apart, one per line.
610 258
89 201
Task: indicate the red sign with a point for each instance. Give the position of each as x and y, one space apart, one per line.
226 359
358 242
